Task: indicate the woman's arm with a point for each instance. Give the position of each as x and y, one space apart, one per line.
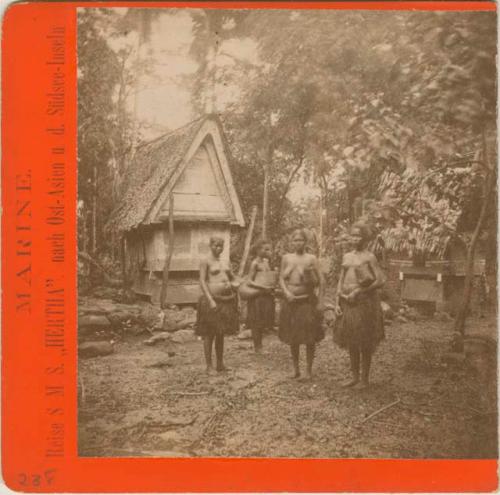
339 287
203 283
235 282
321 280
282 281
380 278
252 272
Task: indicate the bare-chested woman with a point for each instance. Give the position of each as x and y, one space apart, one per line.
359 326
261 307
218 306
300 315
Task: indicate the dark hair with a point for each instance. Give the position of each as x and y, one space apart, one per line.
300 232
215 238
258 244
364 230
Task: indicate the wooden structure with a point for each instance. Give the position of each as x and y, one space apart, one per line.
189 166
437 281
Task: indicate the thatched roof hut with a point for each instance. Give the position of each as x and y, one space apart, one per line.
190 165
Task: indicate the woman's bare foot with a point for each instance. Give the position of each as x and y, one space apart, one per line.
296 375
221 368
350 383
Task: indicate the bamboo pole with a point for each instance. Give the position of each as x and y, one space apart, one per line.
248 240
123 246
170 250
489 189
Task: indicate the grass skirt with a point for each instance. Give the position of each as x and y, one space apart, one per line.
260 312
224 319
300 322
361 323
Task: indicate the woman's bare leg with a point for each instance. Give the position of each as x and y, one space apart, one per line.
219 352
310 348
257 339
295 348
354 355
207 348
366 360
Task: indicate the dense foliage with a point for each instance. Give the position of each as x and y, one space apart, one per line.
388 116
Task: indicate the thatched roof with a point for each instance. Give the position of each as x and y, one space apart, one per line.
431 211
149 172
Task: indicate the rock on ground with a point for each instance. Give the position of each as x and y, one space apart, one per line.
151 316
387 310
159 337
122 317
456 358
412 314
183 336
95 349
94 321
442 316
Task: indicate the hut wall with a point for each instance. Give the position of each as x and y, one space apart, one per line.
423 289
439 282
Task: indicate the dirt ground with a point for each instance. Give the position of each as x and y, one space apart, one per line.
157 401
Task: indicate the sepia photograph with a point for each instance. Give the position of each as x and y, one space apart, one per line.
287 233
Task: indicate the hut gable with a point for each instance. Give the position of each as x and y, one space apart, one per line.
200 191
189 163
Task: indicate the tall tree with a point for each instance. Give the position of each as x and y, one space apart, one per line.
98 67
455 85
211 27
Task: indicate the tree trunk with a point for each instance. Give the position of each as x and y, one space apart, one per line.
94 211
213 96
322 211
107 276
248 241
85 229
209 93
471 251
289 181
134 139
123 252
350 215
86 239
265 200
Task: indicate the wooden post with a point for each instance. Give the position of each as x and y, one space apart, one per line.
94 211
248 240
321 227
265 201
170 250
124 259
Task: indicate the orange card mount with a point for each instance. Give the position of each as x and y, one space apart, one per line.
39 294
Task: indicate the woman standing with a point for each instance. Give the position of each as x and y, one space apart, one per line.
261 307
300 315
360 325
218 306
